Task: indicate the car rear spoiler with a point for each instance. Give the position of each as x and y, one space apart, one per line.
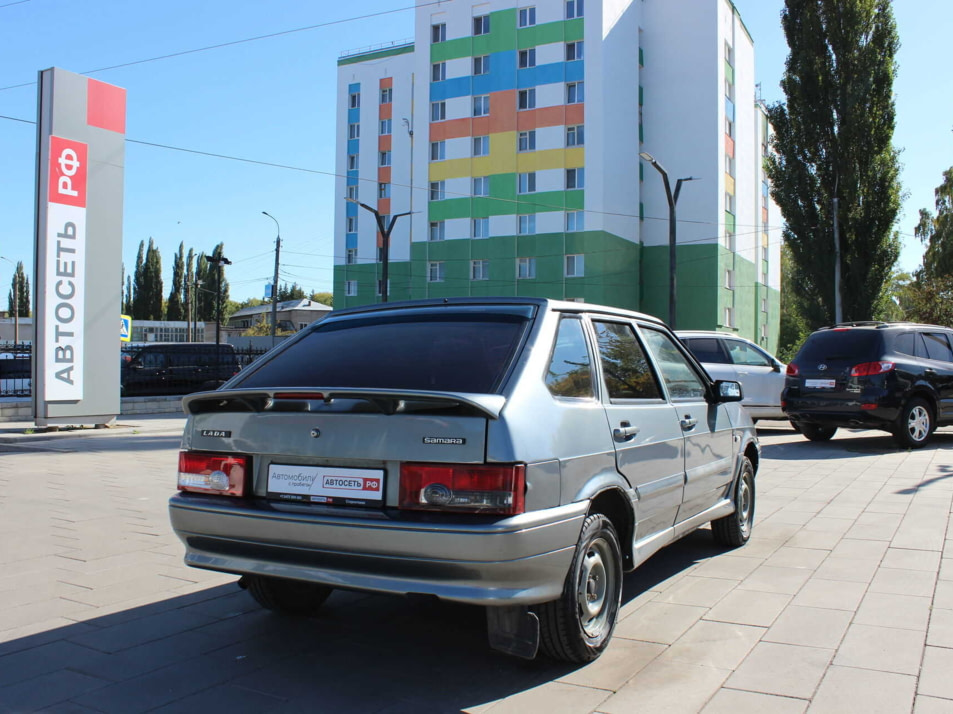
390 401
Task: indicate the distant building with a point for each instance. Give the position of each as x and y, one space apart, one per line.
520 130
167 331
293 315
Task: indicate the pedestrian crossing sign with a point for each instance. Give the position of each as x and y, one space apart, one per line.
125 328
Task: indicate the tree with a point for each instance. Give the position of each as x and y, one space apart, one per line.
937 231
18 299
127 301
832 139
323 298
294 292
152 283
176 306
137 309
793 329
208 273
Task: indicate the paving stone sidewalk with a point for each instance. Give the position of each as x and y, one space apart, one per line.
841 602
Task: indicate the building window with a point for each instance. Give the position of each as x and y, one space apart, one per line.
387 95
352 193
481 145
437 192
386 126
355 100
438 33
527 17
438 71
481 25
575 178
525 268
438 230
729 317
438 150
574 51
351 224
730 279
527 140
575 221
383 190
527 99
438 111
481 185
575 93
435 272
384 159
729 127
350 257
575 135
729 165
479 270
481 105
574 8
354 131
526 224
575 266
526 183
380 283
481 64
350 288
527 58
352 162
764 304
481 227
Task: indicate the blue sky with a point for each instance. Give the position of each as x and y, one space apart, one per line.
272 100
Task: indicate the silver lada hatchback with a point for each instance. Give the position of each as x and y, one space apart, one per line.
515 453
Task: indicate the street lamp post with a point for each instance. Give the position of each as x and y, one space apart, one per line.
219 261
385 231
672 200
196 286
274 284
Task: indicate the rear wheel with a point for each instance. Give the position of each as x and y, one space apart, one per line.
915 424
734 530
291 597
578 626
817 432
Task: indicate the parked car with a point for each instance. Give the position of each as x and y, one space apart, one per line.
177 368
515 453
734 358
897 377
16 376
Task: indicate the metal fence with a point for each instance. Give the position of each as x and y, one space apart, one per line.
16 363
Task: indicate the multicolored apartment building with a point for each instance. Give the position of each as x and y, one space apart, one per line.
511 136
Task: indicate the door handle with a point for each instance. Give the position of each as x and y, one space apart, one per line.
688 423
624 431
929 371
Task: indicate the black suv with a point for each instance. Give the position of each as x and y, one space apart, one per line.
177 368
875 375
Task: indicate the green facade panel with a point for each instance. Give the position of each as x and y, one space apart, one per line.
505 205
379 54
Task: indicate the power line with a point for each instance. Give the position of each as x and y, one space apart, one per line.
11 4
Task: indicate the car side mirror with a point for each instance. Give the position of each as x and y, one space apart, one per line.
776 367
728 391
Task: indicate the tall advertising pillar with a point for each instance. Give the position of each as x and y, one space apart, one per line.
78 249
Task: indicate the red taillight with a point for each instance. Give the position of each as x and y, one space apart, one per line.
463 488
792 370
202 472
868 369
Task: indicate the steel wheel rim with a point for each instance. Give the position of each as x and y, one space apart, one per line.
595 586
918 423
744 505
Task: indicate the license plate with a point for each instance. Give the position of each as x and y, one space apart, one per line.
326 484
820 383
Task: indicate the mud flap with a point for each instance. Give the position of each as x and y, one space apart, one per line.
513 630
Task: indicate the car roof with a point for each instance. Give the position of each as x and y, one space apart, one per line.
879 325
709 333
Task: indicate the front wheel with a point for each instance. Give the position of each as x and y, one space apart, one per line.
578 626
818 432
915 424
735 529
290 597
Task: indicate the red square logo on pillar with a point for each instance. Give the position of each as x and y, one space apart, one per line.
105 106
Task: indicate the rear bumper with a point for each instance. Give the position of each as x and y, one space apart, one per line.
518 560
846 412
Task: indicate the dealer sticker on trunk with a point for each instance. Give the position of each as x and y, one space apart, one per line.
325 484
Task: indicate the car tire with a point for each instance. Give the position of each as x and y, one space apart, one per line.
817 432
290 597
578 626
734 530
915 424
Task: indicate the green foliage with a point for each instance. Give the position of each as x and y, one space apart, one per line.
833 138
208 273
793 328
136 308
176 306
937 231
18 299
929 299
147 284
294 292
262 328
323 298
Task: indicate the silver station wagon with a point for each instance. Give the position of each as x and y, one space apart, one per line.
515 453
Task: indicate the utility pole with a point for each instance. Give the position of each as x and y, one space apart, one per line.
385 231
838 307
195 308
219 261
274 284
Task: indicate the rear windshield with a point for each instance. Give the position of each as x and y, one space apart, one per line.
841 345
436 349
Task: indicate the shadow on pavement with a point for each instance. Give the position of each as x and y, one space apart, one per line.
857 441
92 444
216 648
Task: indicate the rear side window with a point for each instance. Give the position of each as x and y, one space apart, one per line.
570 371
904 344
857 345
626 370
707 349
744 354
459 350
937 346
680 378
